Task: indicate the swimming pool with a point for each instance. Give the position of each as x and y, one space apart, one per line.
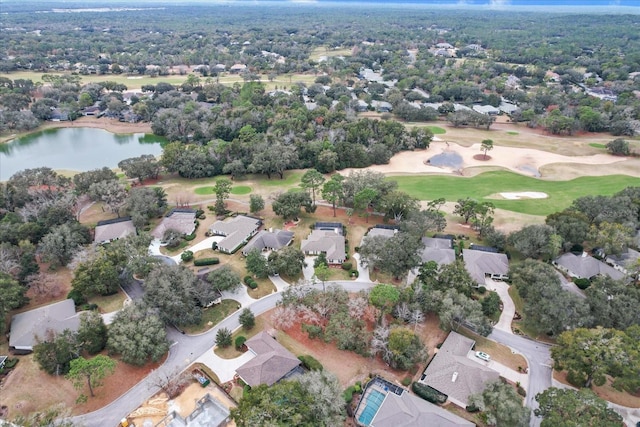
374 400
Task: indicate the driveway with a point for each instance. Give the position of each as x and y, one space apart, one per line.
363 270
508 307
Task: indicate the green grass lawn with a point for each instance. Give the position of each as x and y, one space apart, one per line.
290 178
596 145
513 133
203 191
213 315
436 130
561 193
240 190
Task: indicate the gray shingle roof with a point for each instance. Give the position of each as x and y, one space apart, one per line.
331 243
479 263
272 361
438 250
56 317
586 266
237 230
113 231
181 221
455 375
276 239
409 410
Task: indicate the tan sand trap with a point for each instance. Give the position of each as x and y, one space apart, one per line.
524 195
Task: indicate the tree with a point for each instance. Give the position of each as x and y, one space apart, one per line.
589 355
384 296
288 261
613 303
535 241
466 208
398 205
288 204
55 353
313 399
62 242
456 308
143 167
223 337
613 238
138 335
112 193
490 304
13 296
247 319
273 158
145 203
618 147
257 264
483 217
486 145
322 272
568 408
571 226
501 405
363 199
222 190
83 180
406 348
96 277
332 190
312 180
92 333
171 289
224 279
93 371
256 203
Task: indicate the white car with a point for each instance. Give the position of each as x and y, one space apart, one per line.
483 356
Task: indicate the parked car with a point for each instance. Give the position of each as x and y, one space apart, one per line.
483 356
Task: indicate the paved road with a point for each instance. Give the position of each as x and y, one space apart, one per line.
538 356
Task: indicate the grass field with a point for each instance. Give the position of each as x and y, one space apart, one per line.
319 52
483 186
596 145
513 133
213 315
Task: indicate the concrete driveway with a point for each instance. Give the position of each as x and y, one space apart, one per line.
508 307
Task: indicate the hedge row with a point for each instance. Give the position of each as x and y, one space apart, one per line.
206 261
310 363
582 283
248 280
428 393
346 266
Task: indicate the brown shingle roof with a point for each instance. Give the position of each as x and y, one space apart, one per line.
272 361
181 221
112 230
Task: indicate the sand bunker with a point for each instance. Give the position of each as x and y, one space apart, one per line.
524 195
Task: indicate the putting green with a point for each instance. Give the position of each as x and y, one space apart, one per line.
240 189
480 187
202 191
596 145
436 130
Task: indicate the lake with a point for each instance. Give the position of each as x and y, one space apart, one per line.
77 149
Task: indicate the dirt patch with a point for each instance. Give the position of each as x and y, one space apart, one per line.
45 390
482 157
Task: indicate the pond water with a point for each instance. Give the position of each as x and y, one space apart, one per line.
448 159
77 149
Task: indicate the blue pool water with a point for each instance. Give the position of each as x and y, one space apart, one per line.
374 400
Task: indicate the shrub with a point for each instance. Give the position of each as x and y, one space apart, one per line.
199 212
214 246
190 237
206 261
354 273
582 283
186 256
521 391
482 289
472 408
346 266
313 331
406 381
11 363
247 279
311 363
357 248
577 249
211 208
77 297
240 340
223 337
577 379
348 394
427 393
88 307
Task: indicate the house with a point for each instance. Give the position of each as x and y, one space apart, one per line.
58 115
452 373
625 261
444 46
585 267
439 250
382 106
380 230
326 238
271 240
113 229
272 363
481 264
180 220
27 327
237 232
91 111
3 360
488 110
237 68
399 408
208 412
